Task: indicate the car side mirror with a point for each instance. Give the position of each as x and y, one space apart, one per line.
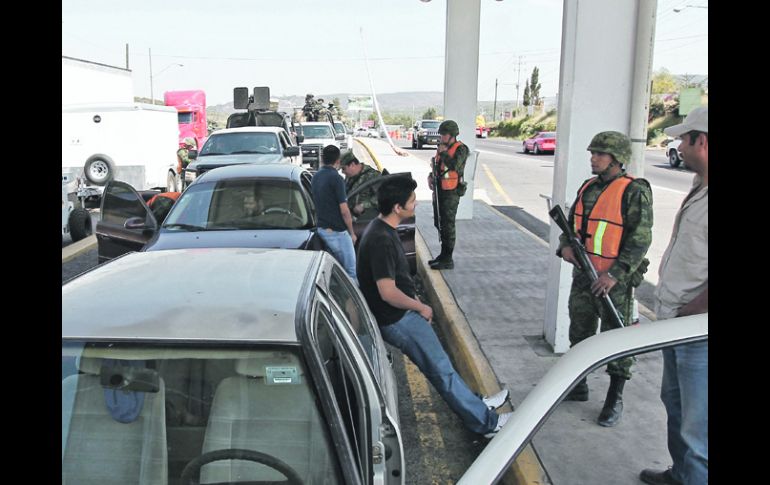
291 152
192 154
300 138
341 136
135 223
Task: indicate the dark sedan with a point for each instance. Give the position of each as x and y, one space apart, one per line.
262 206
246 205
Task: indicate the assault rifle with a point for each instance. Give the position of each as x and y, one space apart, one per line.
434 173
584 263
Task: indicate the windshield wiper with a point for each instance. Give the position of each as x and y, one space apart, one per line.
239 152
188 227
213 153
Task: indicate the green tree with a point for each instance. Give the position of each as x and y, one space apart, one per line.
430 114
663 82
526 100
534 87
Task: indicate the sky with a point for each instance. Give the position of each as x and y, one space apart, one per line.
317 46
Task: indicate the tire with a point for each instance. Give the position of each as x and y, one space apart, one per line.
99 169
537 150
526 150
80 224
673 159
171 182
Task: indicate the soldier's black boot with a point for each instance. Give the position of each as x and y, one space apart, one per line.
445 261
437 258
613 404
579 392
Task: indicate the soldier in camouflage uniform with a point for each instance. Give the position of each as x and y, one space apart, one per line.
614 221
183 156
364 204
449 166
307 110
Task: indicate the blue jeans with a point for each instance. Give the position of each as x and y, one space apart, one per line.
415 338
340 244
685 393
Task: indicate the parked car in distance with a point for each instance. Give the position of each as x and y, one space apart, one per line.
425 132
339 127
251 363
248 144
246 205
482 132
543 141
673 153
360 131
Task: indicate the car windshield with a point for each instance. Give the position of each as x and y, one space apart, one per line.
140 413
430 124
245 142
317 131
247 204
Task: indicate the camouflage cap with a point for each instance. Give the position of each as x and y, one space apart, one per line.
613 142
449 127
189 141
347 158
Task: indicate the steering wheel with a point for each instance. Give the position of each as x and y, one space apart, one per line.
276 209
193 468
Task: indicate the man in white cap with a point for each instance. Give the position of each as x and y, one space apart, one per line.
683 290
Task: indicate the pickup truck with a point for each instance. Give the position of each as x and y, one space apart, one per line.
317 136
426 133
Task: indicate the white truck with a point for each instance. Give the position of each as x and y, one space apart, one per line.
132 142
75 220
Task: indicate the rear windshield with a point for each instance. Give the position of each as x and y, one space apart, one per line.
239 143
146 411
548 135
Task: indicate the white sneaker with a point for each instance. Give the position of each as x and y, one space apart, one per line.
495 401
501 420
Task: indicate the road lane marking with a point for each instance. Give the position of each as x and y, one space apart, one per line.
497 185
428 429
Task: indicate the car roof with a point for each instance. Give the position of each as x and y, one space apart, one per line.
311 123
256 129
267 170
191 294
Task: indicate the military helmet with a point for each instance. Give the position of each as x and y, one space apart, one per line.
308 96
448 127
347 158
189 141
613 142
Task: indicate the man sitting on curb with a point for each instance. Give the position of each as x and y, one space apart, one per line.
404 321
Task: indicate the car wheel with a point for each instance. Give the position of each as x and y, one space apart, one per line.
673 159
171 182
99 169
80 224
537 149
526 150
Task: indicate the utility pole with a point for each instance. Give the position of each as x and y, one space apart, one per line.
152 96
126 56
494 108
518 80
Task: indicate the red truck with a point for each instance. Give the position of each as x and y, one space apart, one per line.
191 109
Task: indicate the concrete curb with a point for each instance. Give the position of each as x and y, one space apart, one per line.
75 249
371 154
471 362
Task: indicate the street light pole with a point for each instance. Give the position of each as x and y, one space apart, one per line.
494 108
152 96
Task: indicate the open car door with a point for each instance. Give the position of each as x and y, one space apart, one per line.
126 223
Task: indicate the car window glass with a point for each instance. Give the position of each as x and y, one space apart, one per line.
317 131
240 143
174 404
241 204
284 141
121 203
430 125
346 393
352 307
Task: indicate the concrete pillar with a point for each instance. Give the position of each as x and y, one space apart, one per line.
599 41
461 72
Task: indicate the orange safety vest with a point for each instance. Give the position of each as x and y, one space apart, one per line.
604 229
449 178
170 195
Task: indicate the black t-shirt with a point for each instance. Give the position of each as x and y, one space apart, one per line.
381 255
328 193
